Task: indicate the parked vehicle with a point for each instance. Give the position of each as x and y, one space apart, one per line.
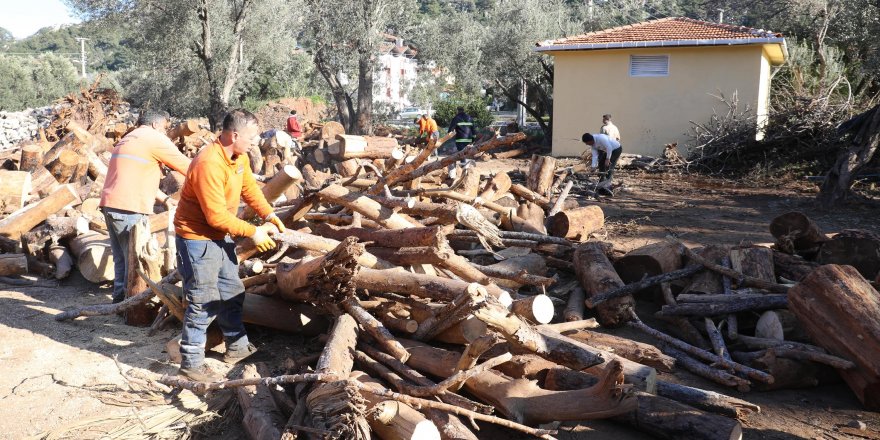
412 112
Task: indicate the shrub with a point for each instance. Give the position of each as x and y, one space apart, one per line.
474 105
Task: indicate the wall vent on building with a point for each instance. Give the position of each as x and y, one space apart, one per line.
648 65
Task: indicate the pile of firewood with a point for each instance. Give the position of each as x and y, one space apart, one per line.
449 295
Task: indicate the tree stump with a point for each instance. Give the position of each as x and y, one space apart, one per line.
856 248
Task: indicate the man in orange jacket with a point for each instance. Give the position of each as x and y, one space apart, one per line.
131 186
219 177
428 127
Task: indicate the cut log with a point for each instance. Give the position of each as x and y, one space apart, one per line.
425 286
31 157
63 261
410 237
13 264
577 224
707 400
574 308
597 275
369 208
42 182
707 281
271 164
261 418
274 188
276 313
854 247
753 261
144 256
31 215
529 218
15 187
470 183
362 147
331 129
497 186
348 168
393 420
537 309
841 312
540 176
522 400
645 354
647 261
734 305
93 256
63 168
337 406
795 232
529 195
668 419
792 267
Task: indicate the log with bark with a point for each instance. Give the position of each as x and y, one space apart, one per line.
13 264
597 275
540 175
853 247
143 256
647 261
796 233
94 258
841 312
31 215
577 224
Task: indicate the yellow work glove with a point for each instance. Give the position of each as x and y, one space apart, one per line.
261 237
273 218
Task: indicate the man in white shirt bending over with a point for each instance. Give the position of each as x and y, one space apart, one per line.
609 128
605 152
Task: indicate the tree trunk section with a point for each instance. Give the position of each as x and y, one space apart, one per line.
577 224
63 261
13 264
31 158
93 256
854 247
796 233
597 275
15 187
647 261
25 219
707 281
841 312
537 309
362 147
753 261
143 255
836 186
63 168
274 188
261 418
540 176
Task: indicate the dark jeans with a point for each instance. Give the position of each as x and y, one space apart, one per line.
119 224
214 290
609 171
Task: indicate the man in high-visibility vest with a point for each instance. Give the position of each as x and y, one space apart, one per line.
463 125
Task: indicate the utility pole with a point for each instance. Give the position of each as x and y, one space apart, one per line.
721 16
82 54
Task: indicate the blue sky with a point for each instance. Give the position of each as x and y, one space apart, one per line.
25 17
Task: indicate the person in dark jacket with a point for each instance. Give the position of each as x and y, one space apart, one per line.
463 125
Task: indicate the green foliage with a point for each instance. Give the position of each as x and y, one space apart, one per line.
107 49
474 105
34 81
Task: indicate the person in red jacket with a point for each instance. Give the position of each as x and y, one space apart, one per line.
293 127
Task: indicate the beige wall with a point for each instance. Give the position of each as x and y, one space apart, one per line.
650 111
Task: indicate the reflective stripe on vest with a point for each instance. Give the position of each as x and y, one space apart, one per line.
131 157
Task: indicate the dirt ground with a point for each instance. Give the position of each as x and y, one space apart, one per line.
56 373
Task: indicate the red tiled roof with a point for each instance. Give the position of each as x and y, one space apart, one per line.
677 29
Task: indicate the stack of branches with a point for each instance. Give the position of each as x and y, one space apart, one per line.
392 262
800 137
